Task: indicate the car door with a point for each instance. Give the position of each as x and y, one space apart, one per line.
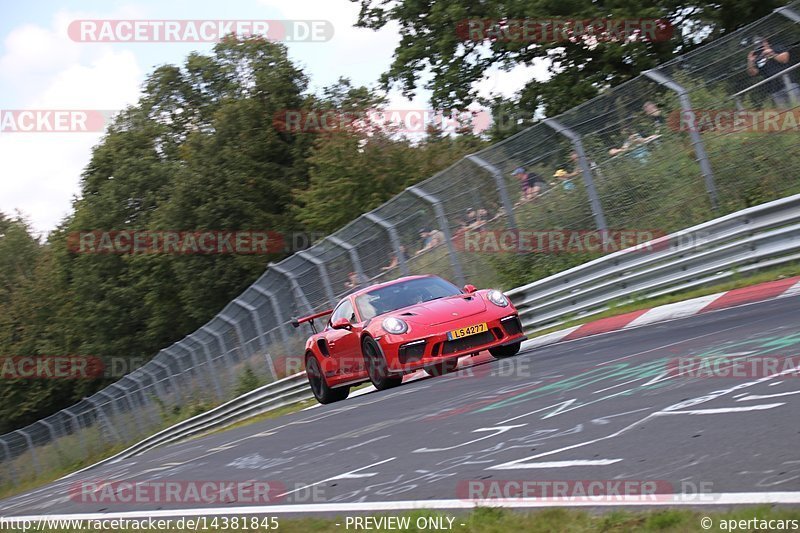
343 344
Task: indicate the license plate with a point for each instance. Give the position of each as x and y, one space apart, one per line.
467 331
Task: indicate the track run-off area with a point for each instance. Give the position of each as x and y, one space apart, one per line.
614 412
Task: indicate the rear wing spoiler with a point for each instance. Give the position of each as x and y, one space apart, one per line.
310 319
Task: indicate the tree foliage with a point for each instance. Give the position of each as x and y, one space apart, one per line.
430 41
200 150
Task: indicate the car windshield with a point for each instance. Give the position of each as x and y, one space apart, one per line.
403 294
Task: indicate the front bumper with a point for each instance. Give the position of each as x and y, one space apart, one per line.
404 355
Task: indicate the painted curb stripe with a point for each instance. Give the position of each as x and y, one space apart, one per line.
674 310
762 291
605 325
794 290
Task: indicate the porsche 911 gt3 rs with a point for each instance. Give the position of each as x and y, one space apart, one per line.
384 331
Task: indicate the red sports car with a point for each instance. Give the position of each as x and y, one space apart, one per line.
384 331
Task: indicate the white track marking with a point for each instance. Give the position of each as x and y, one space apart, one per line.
723 410
520 463
365 442
661 347
604 419
346 475
767 396
497 431
561 406
563 464
720 498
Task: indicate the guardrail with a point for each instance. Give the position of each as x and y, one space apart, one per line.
266 398
754 238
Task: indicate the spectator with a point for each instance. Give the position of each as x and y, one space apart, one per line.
430 239
576 167
395 260
767 60
565 178
531 183
353 281
471 218
654 113
633 142
483 217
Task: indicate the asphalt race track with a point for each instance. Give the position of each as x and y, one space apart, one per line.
601 408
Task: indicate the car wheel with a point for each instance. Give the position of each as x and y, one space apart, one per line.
440 369
319 386
376 366
510 350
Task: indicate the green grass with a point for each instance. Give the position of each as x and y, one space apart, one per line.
494 520
766 275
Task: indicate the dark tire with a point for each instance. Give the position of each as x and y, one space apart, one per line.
440 369
319 386
509 350
376 365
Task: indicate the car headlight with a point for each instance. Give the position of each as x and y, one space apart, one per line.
497 298
394 325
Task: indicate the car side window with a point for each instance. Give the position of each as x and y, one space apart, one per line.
344 310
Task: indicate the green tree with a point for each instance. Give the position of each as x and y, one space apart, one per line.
578 70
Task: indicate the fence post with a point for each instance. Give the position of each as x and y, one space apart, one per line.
694 135
239 334
323 274
500 183
212 371
115 411
223 352
102 418
393 236
10 461
298 291
445 227
262 342
126 396
140 388
353 254
586 172
78 431
52 430
156 383
789 13
193 356
171 378
34 458
276 309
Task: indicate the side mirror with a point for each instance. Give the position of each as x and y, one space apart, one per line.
341 323
469 289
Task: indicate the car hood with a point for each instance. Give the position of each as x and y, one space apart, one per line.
441 311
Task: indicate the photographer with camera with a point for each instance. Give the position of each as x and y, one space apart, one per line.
767 60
